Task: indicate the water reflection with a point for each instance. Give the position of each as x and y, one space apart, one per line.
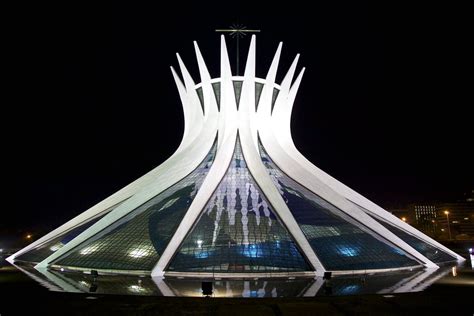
399 282
243 288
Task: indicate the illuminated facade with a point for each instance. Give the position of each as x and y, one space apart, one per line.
236 199
425 217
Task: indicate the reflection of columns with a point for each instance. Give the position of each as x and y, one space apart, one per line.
228 290
261 292
274 292
52 282
421 282
314 288
403 282
163 287
246 291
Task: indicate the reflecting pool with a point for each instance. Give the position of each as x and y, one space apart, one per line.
384 284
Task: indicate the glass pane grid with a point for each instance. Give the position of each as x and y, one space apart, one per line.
238 231
430 252
339 242
136 241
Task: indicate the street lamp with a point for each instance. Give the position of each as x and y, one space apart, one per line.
449 227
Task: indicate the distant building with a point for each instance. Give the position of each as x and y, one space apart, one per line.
461 219
431 219
425 217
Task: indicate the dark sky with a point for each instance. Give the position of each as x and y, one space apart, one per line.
383 106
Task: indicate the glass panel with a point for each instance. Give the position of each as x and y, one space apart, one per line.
258 92
238 231
237 91
339 241
274 96
201 97
430 252
136 241
217 92
42 252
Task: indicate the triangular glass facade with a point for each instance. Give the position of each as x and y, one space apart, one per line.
136 241
258 92
274 97
434 254
238 231
40 253
340 242
237 90
201 98
216 87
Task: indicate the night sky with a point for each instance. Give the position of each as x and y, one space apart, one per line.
383 106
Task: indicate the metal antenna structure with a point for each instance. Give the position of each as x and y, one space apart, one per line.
237 31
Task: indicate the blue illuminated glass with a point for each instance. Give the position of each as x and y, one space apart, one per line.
136 241
238 231
434 254
339 241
